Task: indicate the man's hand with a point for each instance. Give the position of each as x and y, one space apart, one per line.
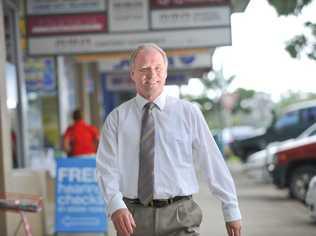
234 228
123 222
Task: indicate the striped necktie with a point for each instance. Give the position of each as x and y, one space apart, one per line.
146 157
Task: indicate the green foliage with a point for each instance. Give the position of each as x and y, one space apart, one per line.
243 94
300 44
296 45
289 7
212 108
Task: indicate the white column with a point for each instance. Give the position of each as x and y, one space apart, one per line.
5 152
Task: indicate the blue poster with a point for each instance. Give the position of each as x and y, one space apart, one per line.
79 204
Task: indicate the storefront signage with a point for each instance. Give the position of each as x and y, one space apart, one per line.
122 82
79 204
187 3
191 17
92 43
119 82
124 24
189 61
52 24
44 7
128 15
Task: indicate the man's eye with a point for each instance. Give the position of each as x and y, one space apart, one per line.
144 70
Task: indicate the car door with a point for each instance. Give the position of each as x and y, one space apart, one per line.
288 126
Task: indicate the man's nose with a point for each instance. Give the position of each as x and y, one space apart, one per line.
151 74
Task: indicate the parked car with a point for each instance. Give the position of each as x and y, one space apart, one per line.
293 166
258 163
294 121
235 133
311 198
255 166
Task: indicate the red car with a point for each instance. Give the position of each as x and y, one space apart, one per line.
294 165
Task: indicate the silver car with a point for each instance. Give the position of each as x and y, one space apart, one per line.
311 198
260 163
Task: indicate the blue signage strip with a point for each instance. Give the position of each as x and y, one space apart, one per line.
79 204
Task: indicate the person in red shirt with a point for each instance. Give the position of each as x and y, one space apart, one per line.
80 139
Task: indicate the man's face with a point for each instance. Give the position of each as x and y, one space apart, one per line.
149 73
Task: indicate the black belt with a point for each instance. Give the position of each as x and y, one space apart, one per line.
158 203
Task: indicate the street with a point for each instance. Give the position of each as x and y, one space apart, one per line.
265 210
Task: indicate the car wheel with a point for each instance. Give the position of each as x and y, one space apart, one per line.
299 181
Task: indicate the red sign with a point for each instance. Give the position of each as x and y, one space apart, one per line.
65 24
186 3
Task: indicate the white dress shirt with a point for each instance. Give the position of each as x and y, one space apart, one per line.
182 140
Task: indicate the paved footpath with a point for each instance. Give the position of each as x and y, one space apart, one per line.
266 211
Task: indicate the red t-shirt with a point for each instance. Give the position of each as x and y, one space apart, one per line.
83 138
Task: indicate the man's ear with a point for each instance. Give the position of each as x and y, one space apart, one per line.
166 74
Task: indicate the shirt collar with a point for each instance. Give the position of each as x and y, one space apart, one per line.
160 101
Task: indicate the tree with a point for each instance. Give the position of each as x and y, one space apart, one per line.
211 100
214 83
243 94
302 44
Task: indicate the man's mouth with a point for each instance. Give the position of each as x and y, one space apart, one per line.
150 83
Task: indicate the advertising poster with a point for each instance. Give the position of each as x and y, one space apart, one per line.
40 74
79 204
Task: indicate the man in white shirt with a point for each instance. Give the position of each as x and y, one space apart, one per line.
147 155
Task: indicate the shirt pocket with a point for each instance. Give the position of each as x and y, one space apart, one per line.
180 148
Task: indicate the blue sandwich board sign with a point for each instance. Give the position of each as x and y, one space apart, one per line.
79 205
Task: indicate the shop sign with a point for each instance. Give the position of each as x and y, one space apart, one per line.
63 24
190 17
79 205
172 24
177 79
122 82
119 82
44 7
128 15
187 3
92 43
190 61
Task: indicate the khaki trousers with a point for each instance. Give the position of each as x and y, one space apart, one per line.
178 219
